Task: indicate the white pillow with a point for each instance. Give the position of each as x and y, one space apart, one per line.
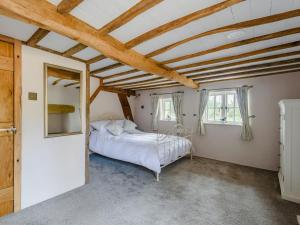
114 128
100 124
129 125
134 131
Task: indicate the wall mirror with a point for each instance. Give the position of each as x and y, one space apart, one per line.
62 101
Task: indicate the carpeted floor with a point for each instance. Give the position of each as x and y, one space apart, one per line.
198 192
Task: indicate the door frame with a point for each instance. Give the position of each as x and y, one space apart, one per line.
17 118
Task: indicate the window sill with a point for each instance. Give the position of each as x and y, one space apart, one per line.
224 124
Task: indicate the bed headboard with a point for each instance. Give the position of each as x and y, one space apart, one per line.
109 116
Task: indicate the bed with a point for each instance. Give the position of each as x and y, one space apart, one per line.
151 150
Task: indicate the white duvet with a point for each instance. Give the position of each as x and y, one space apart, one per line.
141 149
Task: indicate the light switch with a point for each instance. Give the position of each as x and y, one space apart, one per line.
32 96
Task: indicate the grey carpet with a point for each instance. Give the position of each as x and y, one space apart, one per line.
198 192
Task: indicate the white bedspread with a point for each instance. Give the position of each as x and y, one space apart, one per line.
141 149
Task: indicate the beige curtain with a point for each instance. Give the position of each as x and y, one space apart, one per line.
177 99
155 108
204 94
242 99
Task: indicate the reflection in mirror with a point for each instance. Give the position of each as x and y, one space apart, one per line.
62 101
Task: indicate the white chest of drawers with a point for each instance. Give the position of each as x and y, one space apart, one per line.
289 171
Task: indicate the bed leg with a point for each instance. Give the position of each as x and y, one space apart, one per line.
157 176
191 153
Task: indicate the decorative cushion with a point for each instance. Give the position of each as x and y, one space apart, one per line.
129 125
114 128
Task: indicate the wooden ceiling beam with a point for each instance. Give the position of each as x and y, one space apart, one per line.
44 14
236 26
63 74
291 61
128 78
235 77
124 18
270 65
271 57
157 87
74 50
139 82
37 37
103 69
149 83
95 59
239 56
72 84
120 74
259 71
130 14
235 44
181 22
66 6
57 81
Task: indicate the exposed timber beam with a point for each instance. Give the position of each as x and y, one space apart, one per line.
66 6
239 56
236 26
229 58
235 44
130 14
103 69
240 69
124 18
96 59
181 22
271 57
44 14
139 82
259 71
37 36
63 74
120 74
150 83
72 84
128 78
157 87
74 50
235 77
57 81
271 65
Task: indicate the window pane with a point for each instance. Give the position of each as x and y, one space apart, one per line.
211 102
218 114
230 100
230 114
238 115
218 101
210 115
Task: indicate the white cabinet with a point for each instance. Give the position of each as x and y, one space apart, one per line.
289 171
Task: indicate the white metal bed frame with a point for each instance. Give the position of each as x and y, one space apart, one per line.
165 144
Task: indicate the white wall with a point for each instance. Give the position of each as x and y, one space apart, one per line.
106 103
222 142
50 166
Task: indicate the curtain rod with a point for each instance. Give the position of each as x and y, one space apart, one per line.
229 88
167 93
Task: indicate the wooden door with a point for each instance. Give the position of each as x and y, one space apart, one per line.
7 127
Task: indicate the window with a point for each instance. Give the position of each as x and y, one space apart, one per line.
222 108
166 109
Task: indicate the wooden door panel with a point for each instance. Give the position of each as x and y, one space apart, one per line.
6 121
6 96
6 159
6 200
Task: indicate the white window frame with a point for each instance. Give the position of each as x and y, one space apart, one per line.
161 109
223 121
